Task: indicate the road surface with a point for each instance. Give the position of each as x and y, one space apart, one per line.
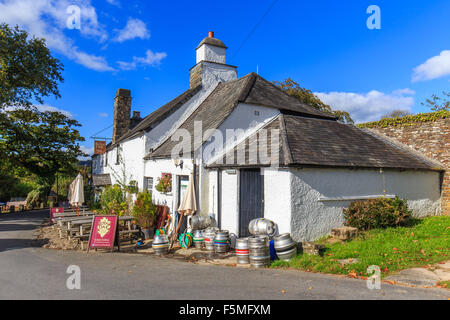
28 272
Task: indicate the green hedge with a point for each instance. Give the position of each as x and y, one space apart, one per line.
377 213
406 120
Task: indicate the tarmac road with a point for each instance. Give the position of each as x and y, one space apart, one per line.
28 272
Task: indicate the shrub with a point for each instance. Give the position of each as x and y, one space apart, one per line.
144 210
112 201
377 213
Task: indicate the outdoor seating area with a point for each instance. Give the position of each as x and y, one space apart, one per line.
77 226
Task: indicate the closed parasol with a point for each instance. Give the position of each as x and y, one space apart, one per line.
76 192
188 205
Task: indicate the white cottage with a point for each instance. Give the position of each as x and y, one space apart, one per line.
257 152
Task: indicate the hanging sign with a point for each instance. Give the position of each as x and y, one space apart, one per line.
99 147
103 232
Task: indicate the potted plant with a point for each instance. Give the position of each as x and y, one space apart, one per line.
164 183
144 212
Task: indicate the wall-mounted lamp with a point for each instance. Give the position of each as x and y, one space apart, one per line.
178 163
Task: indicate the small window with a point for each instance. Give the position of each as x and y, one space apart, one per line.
117 156
148 184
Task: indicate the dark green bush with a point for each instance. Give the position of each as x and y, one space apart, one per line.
377 213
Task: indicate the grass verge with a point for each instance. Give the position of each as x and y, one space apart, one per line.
422 242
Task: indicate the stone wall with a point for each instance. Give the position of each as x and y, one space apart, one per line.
195 76
431 138
122 112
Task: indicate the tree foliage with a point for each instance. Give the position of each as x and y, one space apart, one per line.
28 72
42 143
306 96
396 114
436 103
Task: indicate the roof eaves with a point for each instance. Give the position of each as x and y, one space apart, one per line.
285 142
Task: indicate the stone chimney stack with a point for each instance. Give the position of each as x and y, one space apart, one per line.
122 112
211 66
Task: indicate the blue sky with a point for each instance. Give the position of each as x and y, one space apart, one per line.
149 46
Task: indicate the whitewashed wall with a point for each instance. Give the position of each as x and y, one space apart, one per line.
312 218
211 53
249 118
154 169
277 197
230 201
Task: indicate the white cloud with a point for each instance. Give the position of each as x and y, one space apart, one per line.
114 2
369 106
103 114
433 68
48 19
46 107
88 150
135 28
151 59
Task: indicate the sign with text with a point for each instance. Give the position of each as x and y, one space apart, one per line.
99 147
103 232
53 211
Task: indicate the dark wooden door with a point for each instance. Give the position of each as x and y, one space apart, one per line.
251 198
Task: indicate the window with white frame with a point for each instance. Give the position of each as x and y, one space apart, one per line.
148 184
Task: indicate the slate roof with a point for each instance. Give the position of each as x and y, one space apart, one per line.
251 89
328 143
212 41
157 116
101 179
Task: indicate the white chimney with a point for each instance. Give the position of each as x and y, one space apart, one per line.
211 66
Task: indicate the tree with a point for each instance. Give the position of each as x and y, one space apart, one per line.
306 96
397 114
437 103
42 143
28 72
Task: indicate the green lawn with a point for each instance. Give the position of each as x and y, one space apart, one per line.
422 242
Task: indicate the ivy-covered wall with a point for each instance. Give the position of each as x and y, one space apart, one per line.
428 133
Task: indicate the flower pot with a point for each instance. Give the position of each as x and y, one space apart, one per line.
148 233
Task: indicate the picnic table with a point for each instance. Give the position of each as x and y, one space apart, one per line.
79 227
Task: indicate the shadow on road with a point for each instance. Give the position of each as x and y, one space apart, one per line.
13 244
16 229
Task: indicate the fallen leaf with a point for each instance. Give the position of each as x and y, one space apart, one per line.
310 288
283 291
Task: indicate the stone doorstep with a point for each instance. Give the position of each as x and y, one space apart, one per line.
344 233
312 248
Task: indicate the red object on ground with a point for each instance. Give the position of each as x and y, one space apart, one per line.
103 232
55 210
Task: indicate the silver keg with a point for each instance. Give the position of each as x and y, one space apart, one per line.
160 244
262 226
198 239
285 247
222 241
259 252
208 238
242 251
199 222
